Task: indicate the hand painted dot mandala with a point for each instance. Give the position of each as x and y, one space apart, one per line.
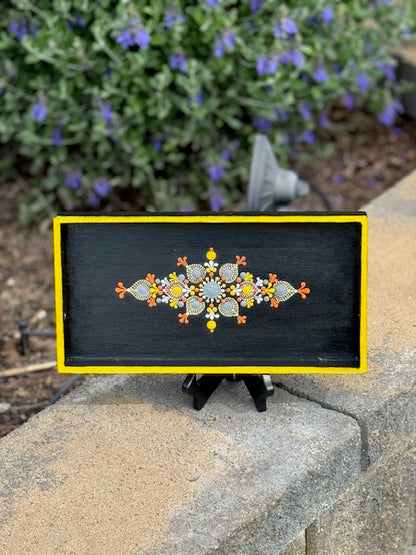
216 291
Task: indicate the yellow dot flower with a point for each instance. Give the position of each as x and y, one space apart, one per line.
211 254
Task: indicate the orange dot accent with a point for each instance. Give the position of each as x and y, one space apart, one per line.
121 290
182 261
303 290
150 278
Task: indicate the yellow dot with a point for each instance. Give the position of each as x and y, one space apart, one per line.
177 290
211 325
211 254
247 290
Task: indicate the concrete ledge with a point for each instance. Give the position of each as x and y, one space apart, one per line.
124 465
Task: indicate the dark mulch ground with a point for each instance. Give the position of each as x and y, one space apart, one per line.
366 160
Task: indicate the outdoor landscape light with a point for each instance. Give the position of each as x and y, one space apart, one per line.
270 185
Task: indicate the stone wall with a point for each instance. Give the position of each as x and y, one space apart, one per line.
124 465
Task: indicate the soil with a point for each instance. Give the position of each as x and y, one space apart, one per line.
365 160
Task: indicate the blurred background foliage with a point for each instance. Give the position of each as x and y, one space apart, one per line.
153 105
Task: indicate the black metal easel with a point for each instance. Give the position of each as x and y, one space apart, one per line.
259 386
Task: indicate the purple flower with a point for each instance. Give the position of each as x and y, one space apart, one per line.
229 152
305 110
388 70
308 136
262 65
292 57
277 32
289 26
348 100
388 116
178 61
157 143
73 180
298 59
261 124
255 5
80 21
320 75
39 111
326 15
57 136
266 65
362 83
93 200
135 35
141 38
218 49
125 39
225 154
216 200
323 121
20 28
212 2
338 179
216 171
171 17
283 115
102 187
229 38
272 65
106 111
196 100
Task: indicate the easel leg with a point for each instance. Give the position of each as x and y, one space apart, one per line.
259 386
201 389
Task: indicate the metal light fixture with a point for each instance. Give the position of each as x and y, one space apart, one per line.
271 186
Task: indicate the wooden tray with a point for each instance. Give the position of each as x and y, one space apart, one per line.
231 293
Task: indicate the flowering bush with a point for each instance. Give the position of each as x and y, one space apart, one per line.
100 96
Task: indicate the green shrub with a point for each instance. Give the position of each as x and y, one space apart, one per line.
100 97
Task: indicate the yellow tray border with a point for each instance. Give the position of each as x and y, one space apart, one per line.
215 219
